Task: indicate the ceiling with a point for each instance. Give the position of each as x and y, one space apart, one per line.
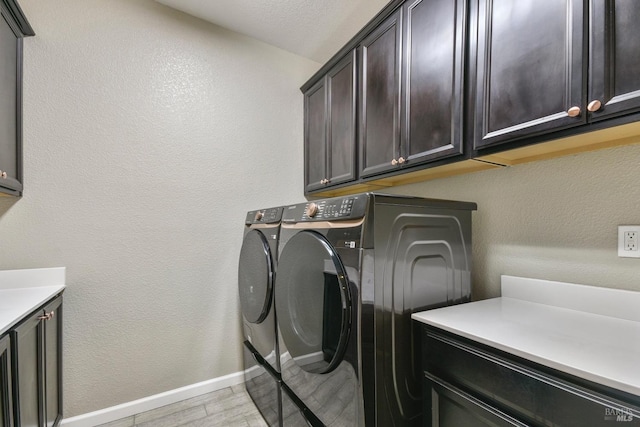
314 29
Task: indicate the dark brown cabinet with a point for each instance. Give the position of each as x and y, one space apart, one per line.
330 127
614 58
470 384
446 405
411 96
380 98
432 113
6 402
37 351
455 86
530 73
13 27
537 73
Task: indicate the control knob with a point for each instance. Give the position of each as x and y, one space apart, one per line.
312 210
259 215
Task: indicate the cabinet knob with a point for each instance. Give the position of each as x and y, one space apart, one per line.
594 105
3 174
326 181
394 162
401 160
573 112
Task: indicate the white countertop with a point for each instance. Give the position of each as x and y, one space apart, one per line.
23 291
592 333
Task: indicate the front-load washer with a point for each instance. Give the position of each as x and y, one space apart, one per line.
351 271
256 275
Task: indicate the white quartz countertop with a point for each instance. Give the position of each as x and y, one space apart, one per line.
23 291
592 333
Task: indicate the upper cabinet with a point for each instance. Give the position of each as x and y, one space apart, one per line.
380 97
454 86
530 74
614 79
537 73
411 92
330 127
13 27
432 113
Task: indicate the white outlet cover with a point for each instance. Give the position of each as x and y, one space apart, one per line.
622 229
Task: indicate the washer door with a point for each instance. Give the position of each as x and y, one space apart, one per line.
255 277
313 302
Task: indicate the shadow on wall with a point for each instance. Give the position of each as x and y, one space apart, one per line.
6 203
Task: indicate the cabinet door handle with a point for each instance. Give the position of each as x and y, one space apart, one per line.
573 112
401 160
394 162
594 105
47 316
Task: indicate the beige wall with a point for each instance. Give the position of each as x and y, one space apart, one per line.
554 220
148 135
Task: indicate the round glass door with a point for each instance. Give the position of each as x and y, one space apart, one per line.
255 277
313 302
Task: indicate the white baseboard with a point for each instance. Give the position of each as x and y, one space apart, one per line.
152 402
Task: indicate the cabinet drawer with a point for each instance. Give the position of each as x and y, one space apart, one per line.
528 392
447 406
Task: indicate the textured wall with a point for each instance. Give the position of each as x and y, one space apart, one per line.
148 135
555 220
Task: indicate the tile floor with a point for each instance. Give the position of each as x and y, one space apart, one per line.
229 407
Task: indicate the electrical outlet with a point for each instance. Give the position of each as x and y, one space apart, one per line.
628 241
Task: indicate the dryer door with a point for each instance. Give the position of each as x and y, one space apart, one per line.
313 302
255 277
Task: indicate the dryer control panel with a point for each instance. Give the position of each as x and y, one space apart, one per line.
264 216
336 209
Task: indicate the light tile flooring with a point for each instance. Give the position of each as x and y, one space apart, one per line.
229 407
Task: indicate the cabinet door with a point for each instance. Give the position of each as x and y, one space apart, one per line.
37 365
52 352
447 406
432 79
530 77
6 405
342 121
380 97
10 107
28 363
315 136
614 83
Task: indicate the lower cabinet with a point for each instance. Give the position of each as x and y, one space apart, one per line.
6 419
446 405
37 363
469 384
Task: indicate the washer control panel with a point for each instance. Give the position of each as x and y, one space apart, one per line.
340 208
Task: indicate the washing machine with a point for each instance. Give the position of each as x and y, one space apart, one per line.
351 271
256 275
